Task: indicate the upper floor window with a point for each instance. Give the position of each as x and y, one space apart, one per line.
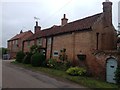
16 42
39 41
28 43
49 40
13 42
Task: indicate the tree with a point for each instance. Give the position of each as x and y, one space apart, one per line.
3 51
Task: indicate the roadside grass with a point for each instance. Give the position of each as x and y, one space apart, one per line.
82 80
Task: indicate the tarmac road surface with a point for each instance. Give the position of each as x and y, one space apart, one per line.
17 77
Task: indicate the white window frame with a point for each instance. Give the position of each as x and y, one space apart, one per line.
39 41
43 52
49 40
54 53
13 42
16 42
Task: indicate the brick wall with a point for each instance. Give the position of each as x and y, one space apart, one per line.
27 46
14 48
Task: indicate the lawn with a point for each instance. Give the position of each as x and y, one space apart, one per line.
85 81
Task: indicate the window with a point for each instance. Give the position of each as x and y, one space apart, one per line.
16 42
55 53
49 40
43 52
13 42
28 43
39 41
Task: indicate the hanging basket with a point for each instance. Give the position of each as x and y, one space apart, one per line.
81 57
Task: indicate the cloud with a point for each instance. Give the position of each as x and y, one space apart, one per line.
17 14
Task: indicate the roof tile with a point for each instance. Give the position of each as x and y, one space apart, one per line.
80 24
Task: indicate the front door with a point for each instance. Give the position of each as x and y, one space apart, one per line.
110 70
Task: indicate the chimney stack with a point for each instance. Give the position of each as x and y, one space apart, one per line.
64 20
21 31
107 11
37 28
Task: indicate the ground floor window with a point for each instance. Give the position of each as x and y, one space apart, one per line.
55 53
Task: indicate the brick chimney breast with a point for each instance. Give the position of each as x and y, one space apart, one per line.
107 11
64 20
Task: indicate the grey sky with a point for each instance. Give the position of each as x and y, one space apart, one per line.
119 12
19 14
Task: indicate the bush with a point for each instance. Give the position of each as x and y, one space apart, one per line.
117 75
51 63
37 59
27 58
20 56
76 71
59 65
67 64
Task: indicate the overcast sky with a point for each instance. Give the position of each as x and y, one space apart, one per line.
19 14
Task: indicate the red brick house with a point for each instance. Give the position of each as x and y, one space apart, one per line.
15 44
93 37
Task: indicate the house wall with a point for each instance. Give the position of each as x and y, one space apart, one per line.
106 42
15 47
86 42
107 35
27 47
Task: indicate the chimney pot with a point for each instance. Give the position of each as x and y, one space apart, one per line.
64 15
21 31
64 20
36 23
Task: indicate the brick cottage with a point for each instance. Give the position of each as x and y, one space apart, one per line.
15 44
93 37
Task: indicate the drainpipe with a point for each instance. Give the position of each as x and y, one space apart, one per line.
23 46
51 47
97 35
46 48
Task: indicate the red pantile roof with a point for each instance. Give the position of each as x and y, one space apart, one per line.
18 36
78 25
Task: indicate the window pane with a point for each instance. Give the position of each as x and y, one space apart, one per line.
39 41
55 53
49 40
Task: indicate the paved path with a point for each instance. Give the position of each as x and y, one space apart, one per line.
18 77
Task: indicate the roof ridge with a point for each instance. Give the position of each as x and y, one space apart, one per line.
85 18
18 35
78 25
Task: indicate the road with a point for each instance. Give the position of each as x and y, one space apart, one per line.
17 77
0 73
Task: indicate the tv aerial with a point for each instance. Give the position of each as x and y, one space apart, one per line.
36 18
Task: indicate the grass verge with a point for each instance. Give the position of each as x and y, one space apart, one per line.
85 81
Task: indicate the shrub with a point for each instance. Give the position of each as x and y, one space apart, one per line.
37 59
33 49
117 75
67 64
76 71
27 58
59 65
51 63
63 55
19 56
